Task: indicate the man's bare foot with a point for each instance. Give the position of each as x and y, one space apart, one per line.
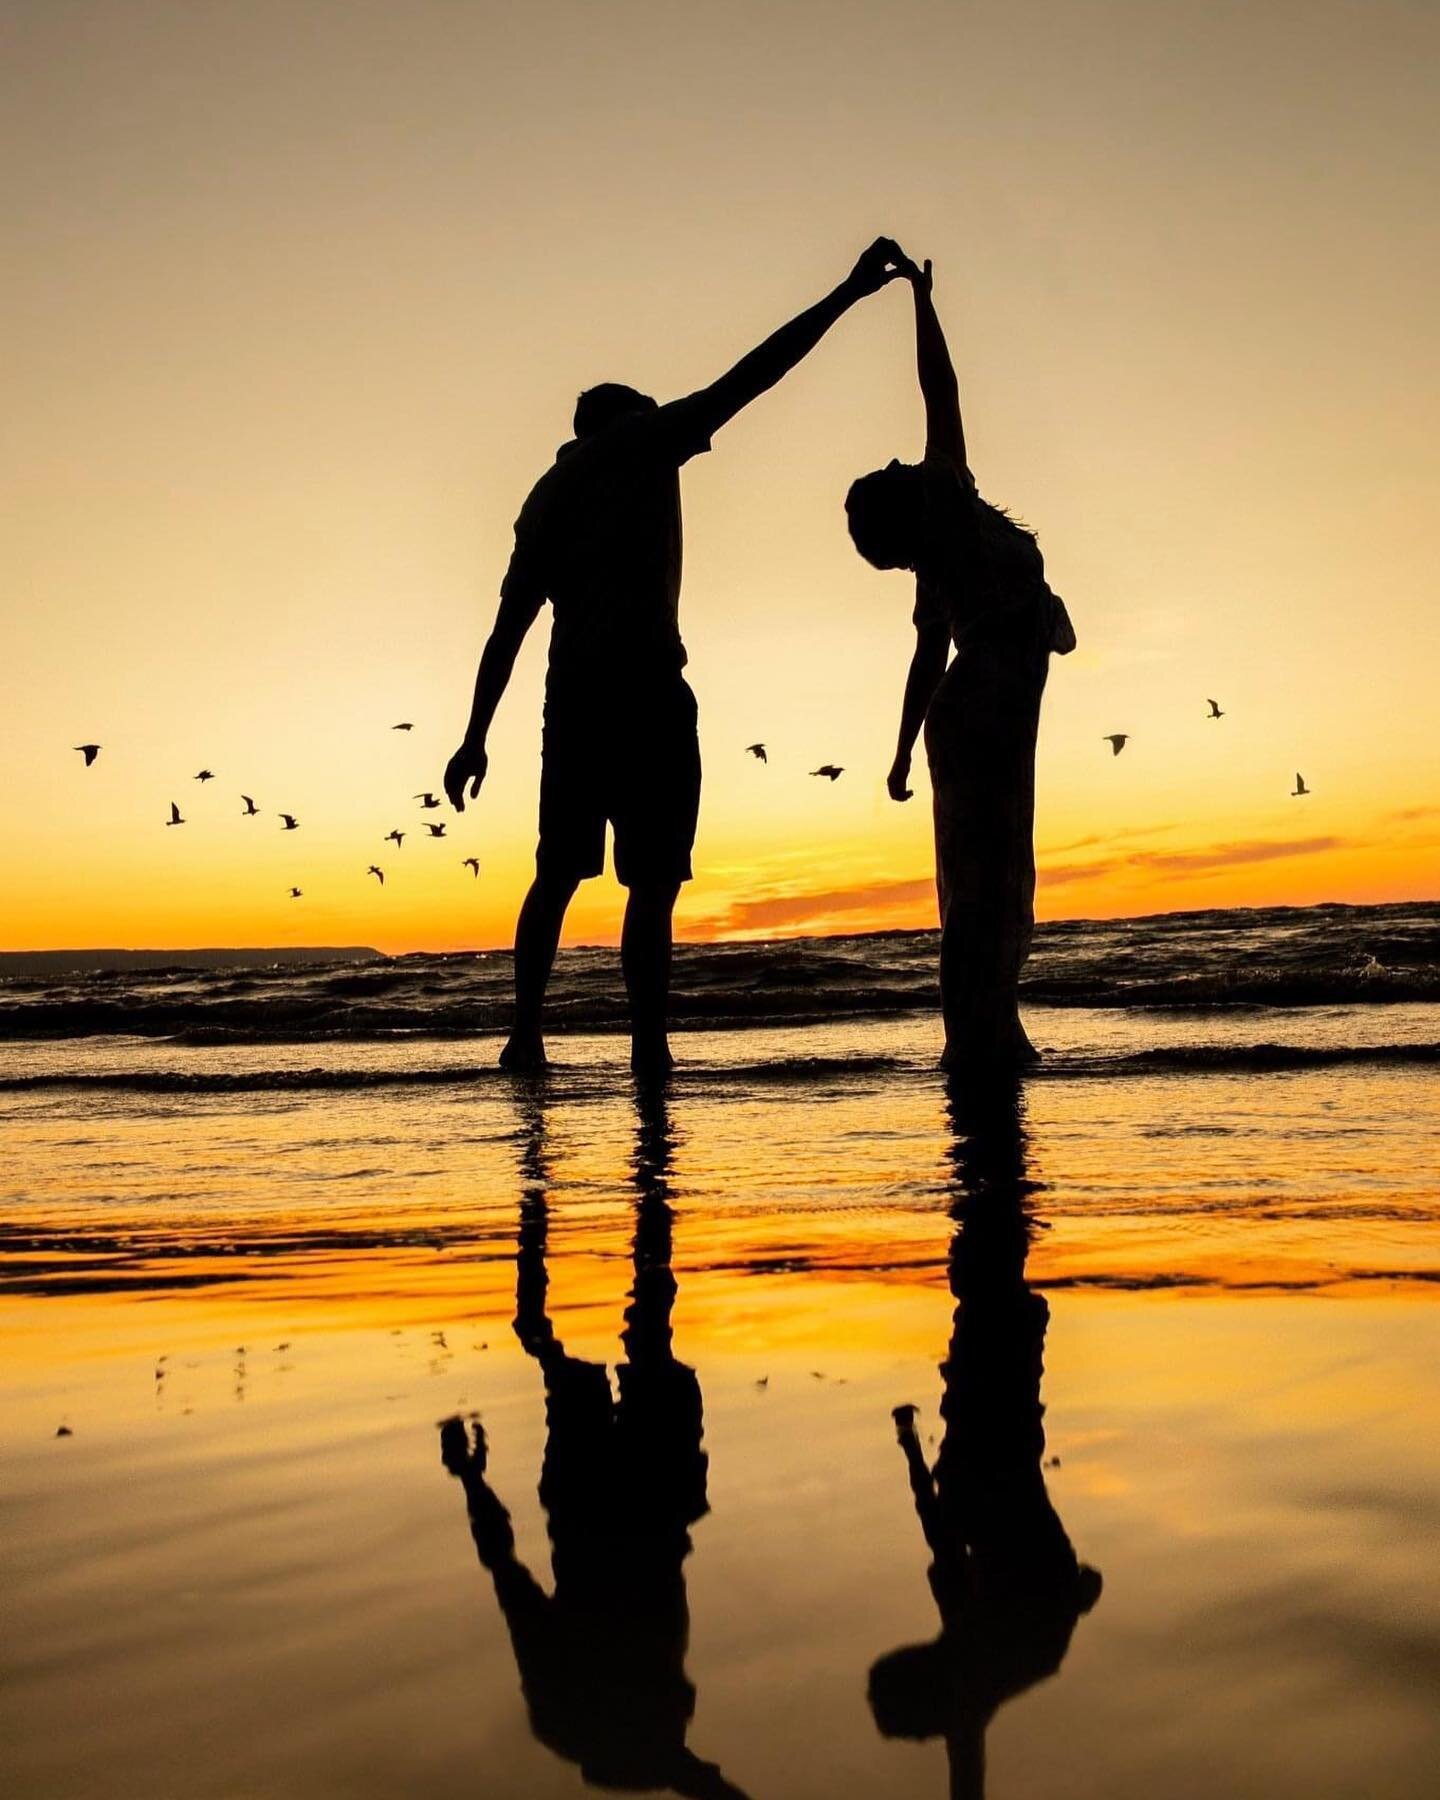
650 1058
524 1053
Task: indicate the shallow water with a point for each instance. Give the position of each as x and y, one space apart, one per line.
1183 1326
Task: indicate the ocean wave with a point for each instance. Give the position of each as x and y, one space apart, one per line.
1194 1059
1209 961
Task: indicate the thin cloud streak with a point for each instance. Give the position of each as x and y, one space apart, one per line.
883 899
1208 861
1228 856
1103 839
795 909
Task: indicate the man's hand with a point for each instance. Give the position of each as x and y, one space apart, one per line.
882 262
898 778
469 763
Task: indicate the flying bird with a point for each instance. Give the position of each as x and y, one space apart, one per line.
295 893
1300 788
378 873
89 752
250 807
404 725
1215 712
427 802
757 751
829 771
206 775
291 822
397 838
174 818
436 830
472 863
1117 740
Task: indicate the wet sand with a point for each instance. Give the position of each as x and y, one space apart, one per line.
1179 1331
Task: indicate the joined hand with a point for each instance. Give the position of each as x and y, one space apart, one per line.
881 263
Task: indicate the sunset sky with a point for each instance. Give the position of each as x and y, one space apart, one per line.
298 297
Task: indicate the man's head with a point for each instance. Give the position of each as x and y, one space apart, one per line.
885 512
598 408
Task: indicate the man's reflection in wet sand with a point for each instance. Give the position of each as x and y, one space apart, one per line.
1006 1580
602 1658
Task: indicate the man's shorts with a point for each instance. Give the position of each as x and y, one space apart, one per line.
629 754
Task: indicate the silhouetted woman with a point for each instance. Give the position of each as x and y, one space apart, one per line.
980 586
1007 1583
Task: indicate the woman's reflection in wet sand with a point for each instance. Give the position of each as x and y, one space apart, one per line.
1006 1580
602 1658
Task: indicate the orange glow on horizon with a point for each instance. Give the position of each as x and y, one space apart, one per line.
285 363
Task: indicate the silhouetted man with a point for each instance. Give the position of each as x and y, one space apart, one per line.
601 1659
600 538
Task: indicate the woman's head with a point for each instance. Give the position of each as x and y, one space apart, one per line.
885 511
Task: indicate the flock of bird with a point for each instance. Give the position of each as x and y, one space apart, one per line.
288 821
1117 740
830 771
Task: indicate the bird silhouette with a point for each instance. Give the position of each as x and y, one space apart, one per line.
250 807
174 818
295 893
1215 712
1117 740
757 751
1300 787
378 873
89 752
206 775
436 830
395 837
427 801
404 725
829 771
291 822
472 863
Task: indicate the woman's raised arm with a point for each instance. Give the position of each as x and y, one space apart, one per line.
944 432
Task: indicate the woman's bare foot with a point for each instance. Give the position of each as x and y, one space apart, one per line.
524 1053
1019 1053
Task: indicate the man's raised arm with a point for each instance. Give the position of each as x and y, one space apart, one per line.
717 404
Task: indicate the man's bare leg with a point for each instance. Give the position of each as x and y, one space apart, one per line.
645 947
537 937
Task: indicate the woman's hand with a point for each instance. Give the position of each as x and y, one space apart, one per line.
898 779
921 279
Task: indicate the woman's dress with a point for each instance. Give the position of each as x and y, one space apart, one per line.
982 576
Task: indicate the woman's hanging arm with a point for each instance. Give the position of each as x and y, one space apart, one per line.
927 665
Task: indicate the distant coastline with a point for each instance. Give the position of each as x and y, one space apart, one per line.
87 962
1350 915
